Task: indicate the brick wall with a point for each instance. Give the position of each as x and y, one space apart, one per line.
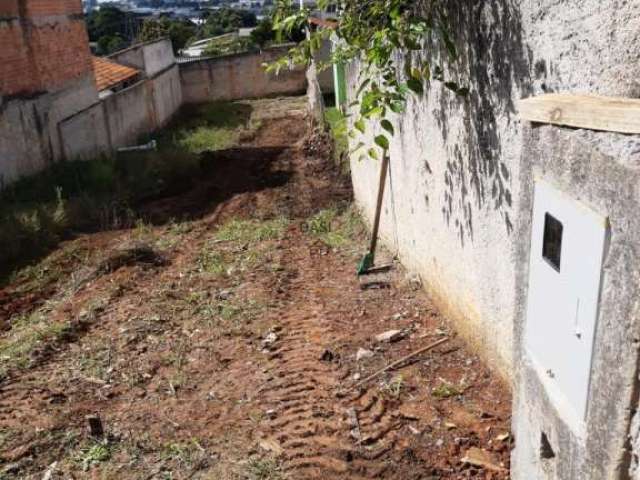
9 8
45 45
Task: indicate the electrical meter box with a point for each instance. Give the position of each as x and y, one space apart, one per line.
565 270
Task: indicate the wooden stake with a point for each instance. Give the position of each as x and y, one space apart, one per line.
400 361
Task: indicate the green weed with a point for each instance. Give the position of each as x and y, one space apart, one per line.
253 230
263 469
394 387
204 139
94 454
338 128
185 453
212 262
446 390
335 229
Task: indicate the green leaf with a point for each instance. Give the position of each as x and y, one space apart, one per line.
397 107
372 153
386 124
426 71
363 86
382 142
453 86
376 112
415 86
359 124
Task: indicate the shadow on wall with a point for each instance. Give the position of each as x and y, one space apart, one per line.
494 64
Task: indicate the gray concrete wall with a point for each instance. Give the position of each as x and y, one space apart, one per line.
130 114
602 171
238 76
29 134
325 75
458 207
122 118
167 95
85 135
73 123
454 190
151 57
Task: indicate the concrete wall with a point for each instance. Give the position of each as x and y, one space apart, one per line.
454 188
458 206
85 135
130 114
167 95
37 89
71 122
238 76
325 76
151 57
29 134
122 118
602 171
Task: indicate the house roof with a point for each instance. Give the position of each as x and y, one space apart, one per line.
332 24
109 73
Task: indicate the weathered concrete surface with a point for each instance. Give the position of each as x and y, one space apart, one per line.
325 75
151 57
239 76
167 95
121 118
458 208
85 135
454 189
29 136
130 114
601 170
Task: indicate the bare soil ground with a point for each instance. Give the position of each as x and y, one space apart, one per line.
222 345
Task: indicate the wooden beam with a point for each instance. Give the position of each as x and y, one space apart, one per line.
583 111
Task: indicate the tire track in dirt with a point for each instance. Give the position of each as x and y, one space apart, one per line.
307 397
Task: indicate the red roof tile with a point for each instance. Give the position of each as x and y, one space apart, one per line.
109 73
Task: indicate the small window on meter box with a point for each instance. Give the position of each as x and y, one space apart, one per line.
552 242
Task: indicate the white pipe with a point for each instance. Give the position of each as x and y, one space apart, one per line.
152 145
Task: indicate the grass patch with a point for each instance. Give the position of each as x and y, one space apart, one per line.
338 128
264 469
334 228
35 332
213 126
212 262
29 333
184 453
94 454
39 211
253 230
234 317
204 139
446 390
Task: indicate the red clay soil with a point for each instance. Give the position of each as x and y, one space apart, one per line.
248 372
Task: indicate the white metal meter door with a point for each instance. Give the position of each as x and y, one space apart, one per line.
567 248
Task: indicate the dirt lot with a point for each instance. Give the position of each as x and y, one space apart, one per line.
222 344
